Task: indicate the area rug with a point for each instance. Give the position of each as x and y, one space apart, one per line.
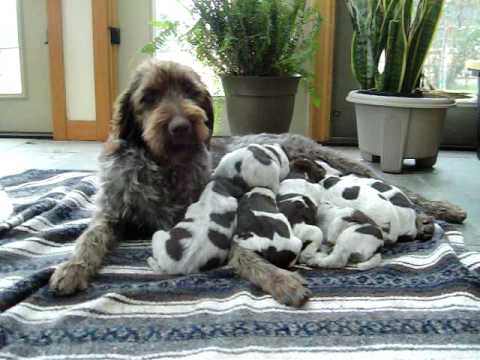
422 303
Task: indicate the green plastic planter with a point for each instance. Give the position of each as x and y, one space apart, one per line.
257 104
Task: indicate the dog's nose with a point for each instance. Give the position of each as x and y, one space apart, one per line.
180 128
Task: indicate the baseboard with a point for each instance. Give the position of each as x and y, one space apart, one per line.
26 135
341 141
346 141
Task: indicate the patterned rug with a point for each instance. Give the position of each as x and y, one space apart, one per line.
422 303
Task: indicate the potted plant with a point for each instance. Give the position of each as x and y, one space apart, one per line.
395 118
259 48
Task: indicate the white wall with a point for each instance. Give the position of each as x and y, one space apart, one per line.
133 17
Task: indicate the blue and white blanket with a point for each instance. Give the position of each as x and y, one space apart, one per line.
422 303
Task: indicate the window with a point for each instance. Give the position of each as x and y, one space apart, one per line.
178 11
456 41
10 61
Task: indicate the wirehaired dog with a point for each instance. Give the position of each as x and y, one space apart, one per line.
155 164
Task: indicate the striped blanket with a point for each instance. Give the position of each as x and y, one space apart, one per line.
422 303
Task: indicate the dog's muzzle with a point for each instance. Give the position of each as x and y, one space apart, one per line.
180 131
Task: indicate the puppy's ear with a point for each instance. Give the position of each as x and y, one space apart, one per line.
301 164
124 126
314 171
284 149
317 172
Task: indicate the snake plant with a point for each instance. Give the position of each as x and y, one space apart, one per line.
400 32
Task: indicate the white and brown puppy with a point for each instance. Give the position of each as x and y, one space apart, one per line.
202 240
298 199
385 204
353 236
256 165
262 228
409 225
393 214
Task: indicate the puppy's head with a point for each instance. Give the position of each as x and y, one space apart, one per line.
311 170
166 108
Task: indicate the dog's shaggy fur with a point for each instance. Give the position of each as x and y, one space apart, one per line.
156 163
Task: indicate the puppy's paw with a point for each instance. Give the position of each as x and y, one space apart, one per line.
69 278
425 227
288 288
154 265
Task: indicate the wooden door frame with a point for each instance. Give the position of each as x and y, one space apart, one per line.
320 117
104 15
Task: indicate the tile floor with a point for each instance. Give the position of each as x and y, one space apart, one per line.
456 177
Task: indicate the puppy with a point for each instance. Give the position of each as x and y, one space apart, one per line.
410 224
354 237
392 211
298 199
354 192
262 228
255 165
202 240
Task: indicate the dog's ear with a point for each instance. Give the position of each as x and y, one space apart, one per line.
207 106
124 126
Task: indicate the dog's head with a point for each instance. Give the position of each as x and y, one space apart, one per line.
166 108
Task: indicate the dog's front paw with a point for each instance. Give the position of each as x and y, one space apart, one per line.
425 227
288 288
69 278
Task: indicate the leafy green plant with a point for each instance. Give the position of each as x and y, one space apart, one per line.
400 31
248 37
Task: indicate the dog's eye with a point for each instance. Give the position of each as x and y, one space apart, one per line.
149 98
189 89
192 93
